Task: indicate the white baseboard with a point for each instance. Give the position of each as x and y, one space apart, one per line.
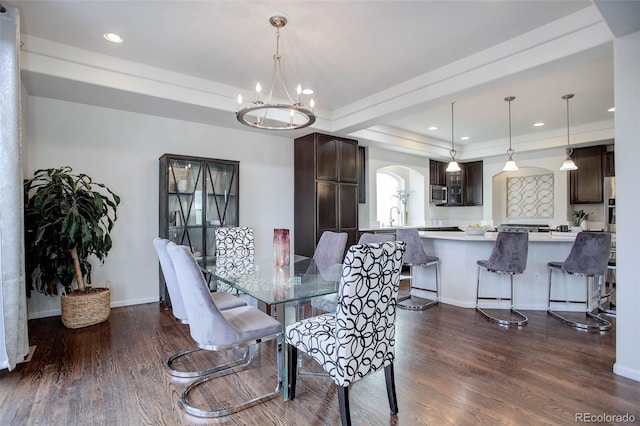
118 304
627 372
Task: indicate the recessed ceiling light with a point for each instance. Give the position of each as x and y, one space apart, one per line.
113 37
539 124
433 128
307 91
611 110
464 138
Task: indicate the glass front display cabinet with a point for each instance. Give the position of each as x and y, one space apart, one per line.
197 195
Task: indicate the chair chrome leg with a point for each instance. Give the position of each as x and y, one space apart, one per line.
606 296
413 303
244 361
193 410
519 322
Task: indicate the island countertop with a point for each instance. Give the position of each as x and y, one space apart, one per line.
552 236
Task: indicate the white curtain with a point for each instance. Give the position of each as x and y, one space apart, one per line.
14 340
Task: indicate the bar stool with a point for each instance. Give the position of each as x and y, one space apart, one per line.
415 256
607 294
509 257
588 258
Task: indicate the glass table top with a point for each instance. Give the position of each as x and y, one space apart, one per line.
302 279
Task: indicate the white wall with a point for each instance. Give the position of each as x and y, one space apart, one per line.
121 149
627 96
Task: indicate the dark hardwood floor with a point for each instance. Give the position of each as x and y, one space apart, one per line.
452 367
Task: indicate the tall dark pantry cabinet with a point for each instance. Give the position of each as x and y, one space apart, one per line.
197 196
326 189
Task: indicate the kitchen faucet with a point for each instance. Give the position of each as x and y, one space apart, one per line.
391 214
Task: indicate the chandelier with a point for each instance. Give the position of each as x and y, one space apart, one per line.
568 163
264 114
453 164
510 165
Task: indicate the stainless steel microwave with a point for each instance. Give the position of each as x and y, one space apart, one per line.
438 194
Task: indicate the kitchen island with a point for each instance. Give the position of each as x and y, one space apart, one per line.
459 252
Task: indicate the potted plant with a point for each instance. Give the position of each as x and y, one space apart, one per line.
578 220
68 219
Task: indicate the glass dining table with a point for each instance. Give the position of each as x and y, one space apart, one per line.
281 289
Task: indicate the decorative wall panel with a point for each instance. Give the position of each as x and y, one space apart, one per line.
530 196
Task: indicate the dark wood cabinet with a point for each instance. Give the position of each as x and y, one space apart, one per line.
437 175
585 184
473 183
362 174
610 164
326 189
464 188
197 195
455 185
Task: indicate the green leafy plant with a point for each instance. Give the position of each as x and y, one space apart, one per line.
579 216
68 218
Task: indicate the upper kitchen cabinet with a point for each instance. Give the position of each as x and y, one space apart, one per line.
473 183
326 193
464 188
437 175
585 184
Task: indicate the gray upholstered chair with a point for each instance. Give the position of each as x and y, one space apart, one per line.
328 303
509 257
588 258
367 238
328 254
347 352
216 330
222 300
330 248
415 256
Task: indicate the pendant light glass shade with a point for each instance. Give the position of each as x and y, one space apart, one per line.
510 165
568 163
453 164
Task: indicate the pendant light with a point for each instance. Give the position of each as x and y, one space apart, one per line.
453 164
568 163
510 165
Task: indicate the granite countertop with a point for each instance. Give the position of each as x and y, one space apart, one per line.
419 228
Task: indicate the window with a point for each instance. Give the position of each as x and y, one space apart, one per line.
387 184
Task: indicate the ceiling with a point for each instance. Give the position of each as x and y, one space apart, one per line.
382 71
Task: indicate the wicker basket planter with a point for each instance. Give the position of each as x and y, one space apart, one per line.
85 309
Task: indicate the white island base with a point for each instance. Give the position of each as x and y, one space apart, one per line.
459 253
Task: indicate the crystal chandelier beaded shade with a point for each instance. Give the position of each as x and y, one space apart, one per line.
264 114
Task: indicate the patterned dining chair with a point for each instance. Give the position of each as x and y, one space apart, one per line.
223 301
235 247
589 257
215 330
347 351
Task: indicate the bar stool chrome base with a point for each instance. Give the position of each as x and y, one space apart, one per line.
601 324
414 303
523 319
